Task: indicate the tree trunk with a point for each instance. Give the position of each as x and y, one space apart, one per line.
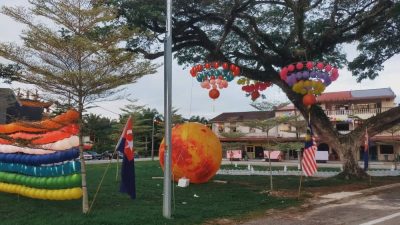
85 198
348 151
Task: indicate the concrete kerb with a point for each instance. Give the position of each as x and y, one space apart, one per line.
340 197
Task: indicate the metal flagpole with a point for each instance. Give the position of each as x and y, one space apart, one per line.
167 113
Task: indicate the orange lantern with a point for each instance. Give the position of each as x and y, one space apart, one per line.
214 94
309 99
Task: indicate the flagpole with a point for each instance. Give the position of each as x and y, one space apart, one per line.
167 113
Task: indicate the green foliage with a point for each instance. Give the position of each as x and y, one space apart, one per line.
236 134
9 72
72 56
100 130
287 146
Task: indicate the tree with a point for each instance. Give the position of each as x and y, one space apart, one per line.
145 123
76 54
262 36
392 131
99 129
8 73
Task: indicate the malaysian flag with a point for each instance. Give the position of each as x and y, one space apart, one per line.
308 162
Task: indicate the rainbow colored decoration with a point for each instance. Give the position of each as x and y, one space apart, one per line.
38 159
309 78
196 152
215 76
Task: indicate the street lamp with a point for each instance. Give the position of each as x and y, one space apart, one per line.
152 139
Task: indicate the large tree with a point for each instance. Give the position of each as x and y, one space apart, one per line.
8 73
76 54
263 36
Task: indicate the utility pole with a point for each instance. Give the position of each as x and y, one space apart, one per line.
152 140
167 113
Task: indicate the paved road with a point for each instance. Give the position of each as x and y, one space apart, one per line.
382 209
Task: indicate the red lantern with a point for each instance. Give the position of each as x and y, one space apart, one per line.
232 67
255 95
283 73
309 65
309 99
214 94
216 65
193 72
320 65
290 68
225 66
207 66
236 72
299 66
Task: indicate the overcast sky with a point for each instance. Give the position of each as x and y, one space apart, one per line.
190 98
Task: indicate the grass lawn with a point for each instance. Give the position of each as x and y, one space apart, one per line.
241 196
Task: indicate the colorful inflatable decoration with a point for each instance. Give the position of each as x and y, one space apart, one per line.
309 79
39 159
196 152
48 137
71 116
215 76
253 88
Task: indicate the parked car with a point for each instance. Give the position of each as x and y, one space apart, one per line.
87 156
109 155
95 155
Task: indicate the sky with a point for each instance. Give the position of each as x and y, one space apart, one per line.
192 100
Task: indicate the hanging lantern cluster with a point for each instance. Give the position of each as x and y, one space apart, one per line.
215 76
253 87
309 79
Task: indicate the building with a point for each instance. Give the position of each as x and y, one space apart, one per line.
346 109
14 107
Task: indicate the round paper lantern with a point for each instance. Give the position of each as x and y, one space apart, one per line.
196 152
309 99
214 94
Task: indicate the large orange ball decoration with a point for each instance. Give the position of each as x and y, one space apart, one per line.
196 152
309 99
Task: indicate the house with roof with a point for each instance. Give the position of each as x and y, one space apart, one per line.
346 109
13 107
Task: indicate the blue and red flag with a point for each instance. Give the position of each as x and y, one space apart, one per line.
125 145
366 148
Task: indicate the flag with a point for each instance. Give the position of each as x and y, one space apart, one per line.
125 146
366 148
308 162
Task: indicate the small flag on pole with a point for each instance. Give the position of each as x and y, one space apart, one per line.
308 162
366 149
125 145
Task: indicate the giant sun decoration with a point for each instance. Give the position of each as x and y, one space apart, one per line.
196 152
215 76
309 79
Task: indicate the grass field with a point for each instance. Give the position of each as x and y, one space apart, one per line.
240 197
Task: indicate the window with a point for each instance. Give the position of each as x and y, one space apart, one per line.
233 127
220 128
342 126
386 149
249 148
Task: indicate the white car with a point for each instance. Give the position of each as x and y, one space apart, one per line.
87 156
